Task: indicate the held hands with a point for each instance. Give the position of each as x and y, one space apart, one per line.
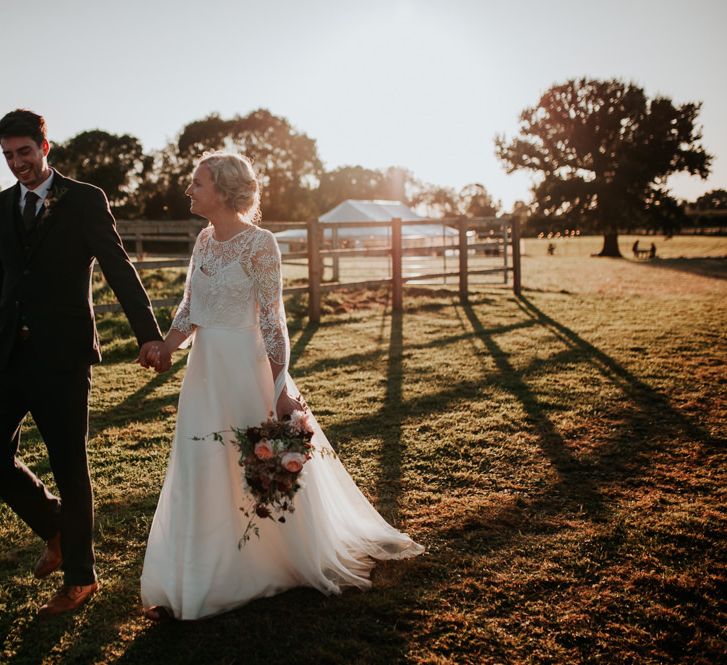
287 404
155 354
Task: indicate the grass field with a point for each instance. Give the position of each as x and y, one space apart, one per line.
561 456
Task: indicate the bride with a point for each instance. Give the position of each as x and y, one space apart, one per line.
237 377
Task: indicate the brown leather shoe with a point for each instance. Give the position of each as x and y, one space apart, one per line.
51 559
68 599
158 613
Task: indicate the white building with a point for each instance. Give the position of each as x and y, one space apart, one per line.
353 210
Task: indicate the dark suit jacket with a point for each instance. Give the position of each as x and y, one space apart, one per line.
46 275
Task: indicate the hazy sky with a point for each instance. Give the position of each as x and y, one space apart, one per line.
424 84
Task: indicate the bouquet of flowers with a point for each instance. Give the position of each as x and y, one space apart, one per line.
273 455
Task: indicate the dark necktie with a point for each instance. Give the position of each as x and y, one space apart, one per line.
31 200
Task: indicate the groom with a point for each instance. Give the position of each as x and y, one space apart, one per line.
51 229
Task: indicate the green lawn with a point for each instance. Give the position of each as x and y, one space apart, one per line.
561 456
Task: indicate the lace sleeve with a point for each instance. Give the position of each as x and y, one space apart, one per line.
268 279
182 321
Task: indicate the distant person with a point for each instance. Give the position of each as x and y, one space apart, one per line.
635 249
551 249
652 251
51 230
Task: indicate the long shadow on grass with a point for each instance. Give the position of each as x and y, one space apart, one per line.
386 422
652 407
715 267
575 480
355 359
388 485
621 457
302 342
139 404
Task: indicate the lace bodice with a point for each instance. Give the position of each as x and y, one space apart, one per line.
236 283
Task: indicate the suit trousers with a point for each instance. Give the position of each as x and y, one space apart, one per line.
58 402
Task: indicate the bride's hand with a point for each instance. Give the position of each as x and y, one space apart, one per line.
287 404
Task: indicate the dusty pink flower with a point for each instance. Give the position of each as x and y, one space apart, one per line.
264 449
292 462
300 421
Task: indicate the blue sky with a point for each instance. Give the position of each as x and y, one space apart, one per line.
424 84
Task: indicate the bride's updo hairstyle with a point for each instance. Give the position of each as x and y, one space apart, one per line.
235 179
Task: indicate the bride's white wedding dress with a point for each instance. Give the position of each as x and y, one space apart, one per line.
233 309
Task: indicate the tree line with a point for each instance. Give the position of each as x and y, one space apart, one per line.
601 152
295 184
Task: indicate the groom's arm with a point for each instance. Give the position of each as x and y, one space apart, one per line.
105 244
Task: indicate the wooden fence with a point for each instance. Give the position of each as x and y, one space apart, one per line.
503 232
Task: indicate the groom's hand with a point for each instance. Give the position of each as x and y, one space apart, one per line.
163 360
146 351
154 354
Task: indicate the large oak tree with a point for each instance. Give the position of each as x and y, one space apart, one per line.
604 151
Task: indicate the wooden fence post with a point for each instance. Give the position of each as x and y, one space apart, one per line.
516 273
463 258
314 272
396 283
504 250
336 276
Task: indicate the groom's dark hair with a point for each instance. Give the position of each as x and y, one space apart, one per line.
22 122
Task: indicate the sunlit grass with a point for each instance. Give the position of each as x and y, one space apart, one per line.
561 457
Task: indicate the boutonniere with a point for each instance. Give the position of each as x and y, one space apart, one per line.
53 199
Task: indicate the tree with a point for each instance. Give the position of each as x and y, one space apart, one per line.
115 163
162 192
400 184
435 201
605 152
710 209
356 182
349 182
285 160
475 201
714 200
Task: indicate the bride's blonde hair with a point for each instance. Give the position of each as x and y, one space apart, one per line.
235 179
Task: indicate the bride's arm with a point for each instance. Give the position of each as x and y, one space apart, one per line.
265 266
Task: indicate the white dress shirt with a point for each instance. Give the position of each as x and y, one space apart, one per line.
41 190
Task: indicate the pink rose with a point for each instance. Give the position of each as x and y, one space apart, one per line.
292 462
263 449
